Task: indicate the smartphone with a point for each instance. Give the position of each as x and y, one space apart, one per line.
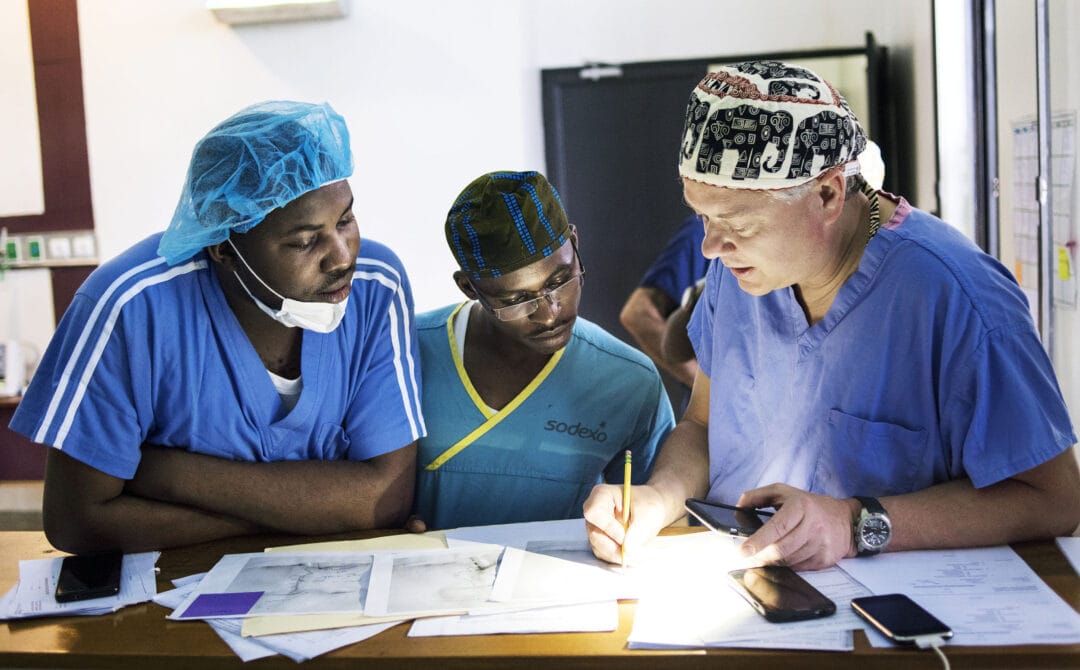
779 594
89 576
727 518
899 618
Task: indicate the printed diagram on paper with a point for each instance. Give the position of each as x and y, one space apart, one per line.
1026 208
289 585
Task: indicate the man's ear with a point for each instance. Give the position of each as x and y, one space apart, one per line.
223 254
464 285
832 190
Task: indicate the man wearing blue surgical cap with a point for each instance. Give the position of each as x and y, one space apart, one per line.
252 368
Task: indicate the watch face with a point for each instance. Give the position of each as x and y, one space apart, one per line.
874 532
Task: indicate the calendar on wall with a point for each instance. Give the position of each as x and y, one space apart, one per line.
1026 208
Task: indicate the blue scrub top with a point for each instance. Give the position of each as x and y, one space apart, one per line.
681 263
149 353
542 454
926 368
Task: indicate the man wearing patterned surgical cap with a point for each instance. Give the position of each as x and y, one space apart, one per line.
527 405
865 369
252 368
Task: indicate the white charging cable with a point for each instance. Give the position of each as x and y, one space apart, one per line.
933 642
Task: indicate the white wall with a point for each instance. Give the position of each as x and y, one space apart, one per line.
20 169
435 92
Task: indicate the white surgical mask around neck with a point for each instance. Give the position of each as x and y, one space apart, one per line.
321 317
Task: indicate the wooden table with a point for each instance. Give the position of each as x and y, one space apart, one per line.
141 637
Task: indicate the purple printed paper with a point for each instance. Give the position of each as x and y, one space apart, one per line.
221 605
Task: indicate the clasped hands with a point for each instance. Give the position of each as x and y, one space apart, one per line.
808 532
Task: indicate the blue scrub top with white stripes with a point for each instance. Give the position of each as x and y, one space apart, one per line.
149 353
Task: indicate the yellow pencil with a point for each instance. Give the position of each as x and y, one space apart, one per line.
625 503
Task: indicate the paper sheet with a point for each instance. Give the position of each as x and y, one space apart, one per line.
527 579
988 596
591 617
686 602
273 625
707 613
280 583
33 595
559 573
297 646
400 542
245 650
518 535
1070 546
303 646
427 583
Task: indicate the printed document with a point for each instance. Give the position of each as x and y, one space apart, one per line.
988 596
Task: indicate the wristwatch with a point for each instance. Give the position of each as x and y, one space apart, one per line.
872 529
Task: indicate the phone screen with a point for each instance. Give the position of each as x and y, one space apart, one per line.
727 518
899 617
89 576
780 594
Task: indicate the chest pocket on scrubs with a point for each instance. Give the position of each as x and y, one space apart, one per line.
872 458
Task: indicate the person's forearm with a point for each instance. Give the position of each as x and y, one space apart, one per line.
675 346
308 497
684 371
682 468
956 514
643 319
85 509
650 338
130 523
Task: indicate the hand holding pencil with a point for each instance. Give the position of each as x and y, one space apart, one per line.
619 518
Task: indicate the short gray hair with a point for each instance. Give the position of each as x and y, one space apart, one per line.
854 184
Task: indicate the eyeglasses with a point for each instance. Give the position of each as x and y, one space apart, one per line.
557 294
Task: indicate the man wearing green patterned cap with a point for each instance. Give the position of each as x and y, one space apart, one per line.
527 406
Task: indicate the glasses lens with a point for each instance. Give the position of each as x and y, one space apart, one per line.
524 309
518 311
567 288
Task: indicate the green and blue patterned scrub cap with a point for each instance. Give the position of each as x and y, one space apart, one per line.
504 221
259 159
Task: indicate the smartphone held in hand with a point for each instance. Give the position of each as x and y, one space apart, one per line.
779 594
741 521
89 576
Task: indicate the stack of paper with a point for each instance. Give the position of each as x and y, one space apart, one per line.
297 646
542 577
687 603
988 596
33 596
307 600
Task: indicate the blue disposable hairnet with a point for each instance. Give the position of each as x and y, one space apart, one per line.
257 160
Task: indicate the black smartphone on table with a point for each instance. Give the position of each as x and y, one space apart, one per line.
899 618
742 521
89 576
779 594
